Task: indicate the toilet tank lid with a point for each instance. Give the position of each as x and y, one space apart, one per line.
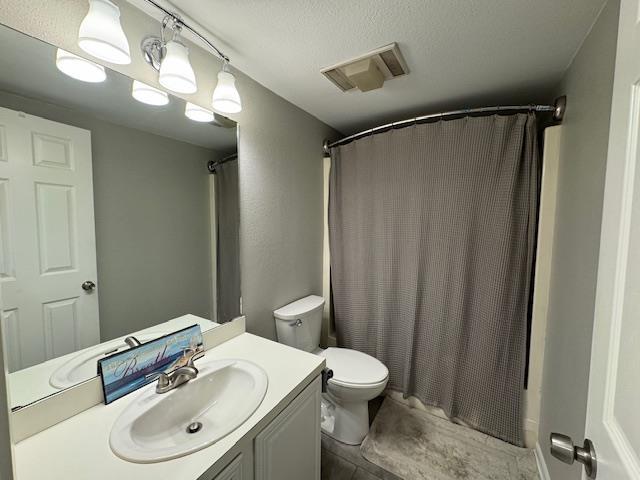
299 308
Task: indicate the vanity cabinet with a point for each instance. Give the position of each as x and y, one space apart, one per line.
233 471
288 448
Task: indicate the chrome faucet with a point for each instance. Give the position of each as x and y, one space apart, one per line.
182 374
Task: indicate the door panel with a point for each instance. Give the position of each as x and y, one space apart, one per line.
11 331
3 144
60 319
55 210
6 252
51 152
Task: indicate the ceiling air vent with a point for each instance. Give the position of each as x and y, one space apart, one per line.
368 71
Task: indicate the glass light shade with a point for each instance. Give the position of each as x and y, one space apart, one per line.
79 68
226 98
176 73
101 34
147 94
197 113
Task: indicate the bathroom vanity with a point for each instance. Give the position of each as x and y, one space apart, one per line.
280 440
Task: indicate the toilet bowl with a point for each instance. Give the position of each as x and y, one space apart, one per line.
357 377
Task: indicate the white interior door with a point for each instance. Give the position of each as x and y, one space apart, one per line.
613 416
47 239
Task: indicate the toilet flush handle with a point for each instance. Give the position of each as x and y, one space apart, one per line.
297 323
327 374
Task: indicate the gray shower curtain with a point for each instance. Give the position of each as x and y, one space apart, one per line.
228 241
432 233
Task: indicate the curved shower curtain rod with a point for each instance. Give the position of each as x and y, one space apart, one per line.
213 164
558 108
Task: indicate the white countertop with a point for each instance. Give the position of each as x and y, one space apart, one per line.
78 448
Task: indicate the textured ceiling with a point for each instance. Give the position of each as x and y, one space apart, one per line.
460 53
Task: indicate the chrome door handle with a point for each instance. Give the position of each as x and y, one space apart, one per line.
563 449
88 286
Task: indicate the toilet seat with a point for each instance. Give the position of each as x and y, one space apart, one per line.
354 369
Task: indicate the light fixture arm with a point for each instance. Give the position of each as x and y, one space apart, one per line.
180 24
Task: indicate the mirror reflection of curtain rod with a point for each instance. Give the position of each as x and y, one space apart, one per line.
558 108
213 164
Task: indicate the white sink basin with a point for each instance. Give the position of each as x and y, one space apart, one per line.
153 427
85 365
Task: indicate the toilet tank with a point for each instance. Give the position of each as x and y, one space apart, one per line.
298 324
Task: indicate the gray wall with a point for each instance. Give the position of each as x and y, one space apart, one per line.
281 205
151 203
588 85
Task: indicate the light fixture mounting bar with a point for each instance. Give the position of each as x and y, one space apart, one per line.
181 24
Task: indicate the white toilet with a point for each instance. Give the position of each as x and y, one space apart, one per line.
357 377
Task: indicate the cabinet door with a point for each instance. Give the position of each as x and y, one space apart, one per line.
233 471
289 447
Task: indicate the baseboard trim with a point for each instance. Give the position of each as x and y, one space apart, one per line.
542 465
530 433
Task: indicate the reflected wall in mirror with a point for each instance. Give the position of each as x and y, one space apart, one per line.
117 218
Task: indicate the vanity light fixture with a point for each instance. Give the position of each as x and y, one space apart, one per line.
226 98
79 68
101 34
147 94
176 73
170 57
197 113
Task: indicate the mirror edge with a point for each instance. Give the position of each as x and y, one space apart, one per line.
6 440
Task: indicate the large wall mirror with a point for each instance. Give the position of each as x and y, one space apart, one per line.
118 218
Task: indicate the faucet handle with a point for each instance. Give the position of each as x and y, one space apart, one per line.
163 380
193 354
162 377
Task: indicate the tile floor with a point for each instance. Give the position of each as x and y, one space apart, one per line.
345 462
